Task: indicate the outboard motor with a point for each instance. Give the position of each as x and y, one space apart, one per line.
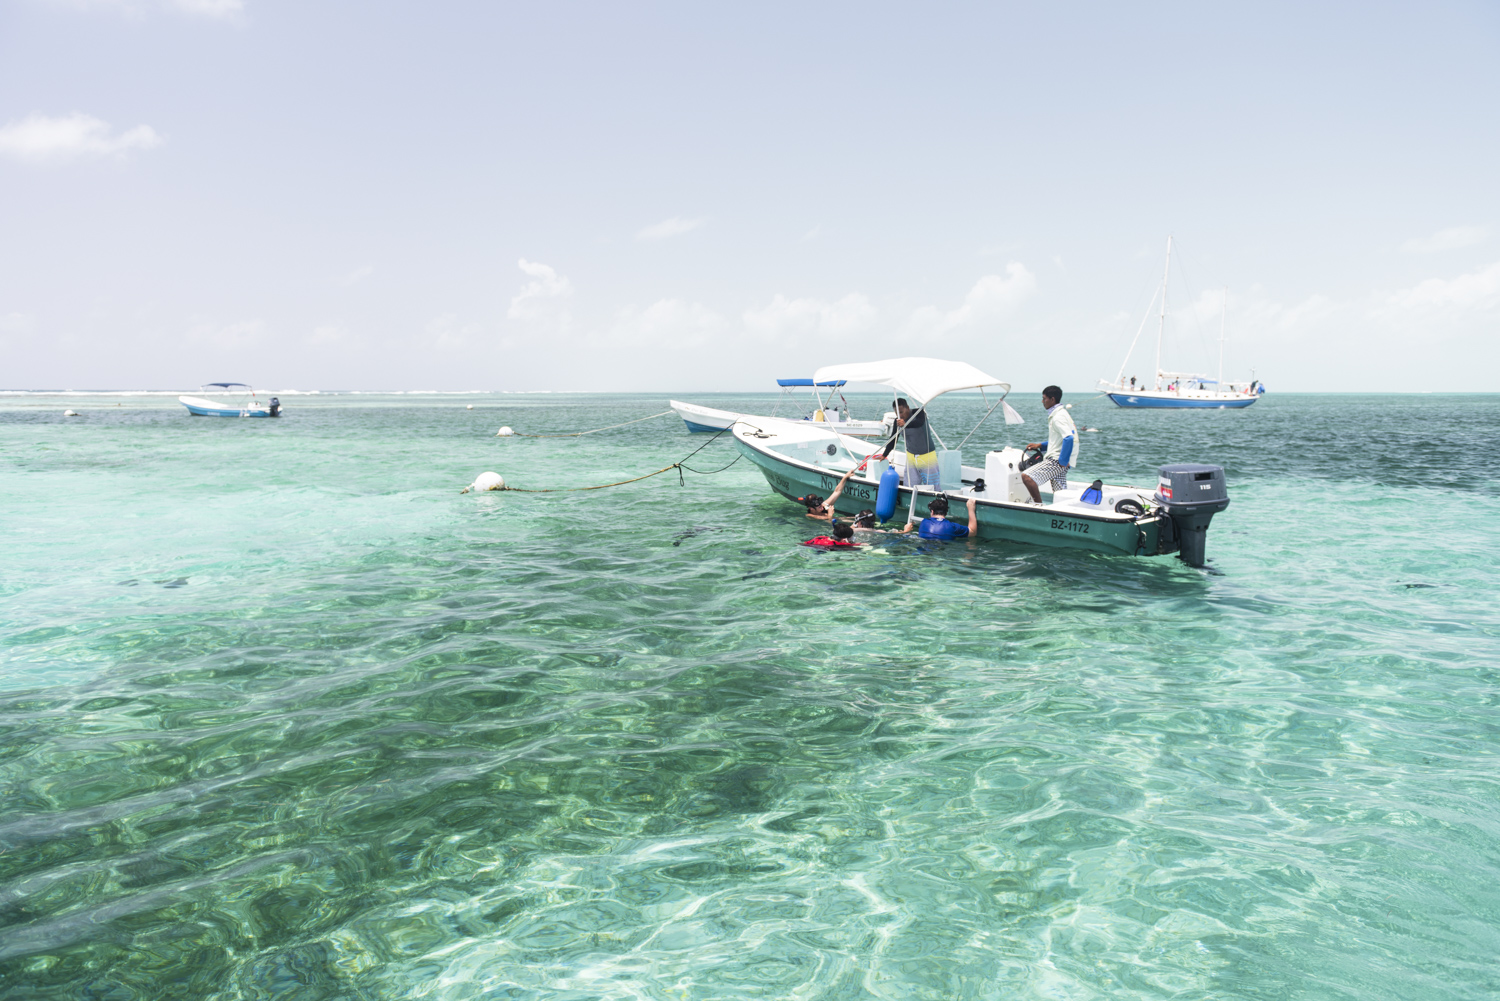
275 407
1191 494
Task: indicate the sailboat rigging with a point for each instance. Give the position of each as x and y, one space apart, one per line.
1179 390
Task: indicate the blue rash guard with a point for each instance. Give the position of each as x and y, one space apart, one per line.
942 528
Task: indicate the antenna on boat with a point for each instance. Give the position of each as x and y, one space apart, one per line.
1162 324
1222 317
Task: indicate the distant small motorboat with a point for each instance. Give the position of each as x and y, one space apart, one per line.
249 406
825 412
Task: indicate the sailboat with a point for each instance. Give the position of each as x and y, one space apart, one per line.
1180 390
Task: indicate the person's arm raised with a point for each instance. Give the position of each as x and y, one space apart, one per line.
828 504
973 520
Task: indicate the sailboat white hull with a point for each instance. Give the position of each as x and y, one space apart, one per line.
1161 400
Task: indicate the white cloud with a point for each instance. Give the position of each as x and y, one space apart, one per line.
447 331
136 8
544 298
992 298
40 138
667 323
228 335
1477 289
813 233
209 8
669 228
16 326
358 275
328 333
803 318
1261 314
1452 238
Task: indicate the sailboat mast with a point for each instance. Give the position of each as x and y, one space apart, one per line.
1162 323
1223 317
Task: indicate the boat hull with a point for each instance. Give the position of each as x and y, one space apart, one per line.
1023 523
1171 401
208 408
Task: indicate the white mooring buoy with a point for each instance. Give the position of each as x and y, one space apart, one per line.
485 481
470 407
70 413
504 432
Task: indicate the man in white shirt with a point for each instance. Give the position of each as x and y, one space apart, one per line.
1062 447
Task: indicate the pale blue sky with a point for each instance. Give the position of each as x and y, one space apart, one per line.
341 195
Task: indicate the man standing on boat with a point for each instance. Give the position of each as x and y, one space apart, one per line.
1062 447
921 457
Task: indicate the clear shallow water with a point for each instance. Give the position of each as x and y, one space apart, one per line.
285 715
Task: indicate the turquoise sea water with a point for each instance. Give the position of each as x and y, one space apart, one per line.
284 715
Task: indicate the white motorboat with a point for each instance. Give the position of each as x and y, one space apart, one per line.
824 411
1144 521
247 404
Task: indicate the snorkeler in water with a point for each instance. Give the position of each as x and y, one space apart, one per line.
937 526
821 509
841 537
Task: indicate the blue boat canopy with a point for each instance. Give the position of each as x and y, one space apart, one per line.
808 382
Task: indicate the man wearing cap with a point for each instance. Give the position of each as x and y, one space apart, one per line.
1062 447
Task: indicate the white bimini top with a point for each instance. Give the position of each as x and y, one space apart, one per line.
921 379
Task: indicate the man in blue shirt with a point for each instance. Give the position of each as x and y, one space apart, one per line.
937 526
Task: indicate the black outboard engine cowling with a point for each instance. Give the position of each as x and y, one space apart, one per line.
275 407
1191 494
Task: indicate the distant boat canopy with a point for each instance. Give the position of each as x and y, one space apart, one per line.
807 382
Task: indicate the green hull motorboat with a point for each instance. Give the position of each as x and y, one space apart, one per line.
1131 521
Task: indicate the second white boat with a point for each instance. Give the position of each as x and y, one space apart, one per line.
824 414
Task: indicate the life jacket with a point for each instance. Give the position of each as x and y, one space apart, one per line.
825 542
941 528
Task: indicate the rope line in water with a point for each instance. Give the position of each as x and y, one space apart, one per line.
710 472
580 434
602 486
679 465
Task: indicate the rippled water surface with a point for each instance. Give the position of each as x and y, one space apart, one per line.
284 715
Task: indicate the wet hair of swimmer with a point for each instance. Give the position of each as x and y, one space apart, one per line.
842 531
813 501
865 519
939 506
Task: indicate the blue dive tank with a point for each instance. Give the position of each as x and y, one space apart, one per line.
885 497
